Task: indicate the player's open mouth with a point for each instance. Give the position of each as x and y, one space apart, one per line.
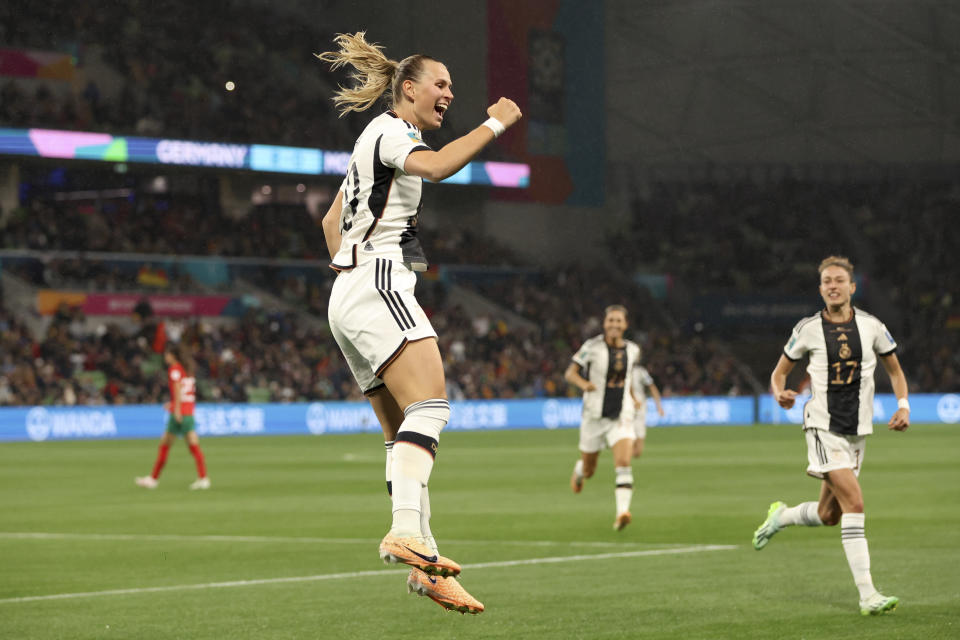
440 109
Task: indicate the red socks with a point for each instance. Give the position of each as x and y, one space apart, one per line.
161 460
198 456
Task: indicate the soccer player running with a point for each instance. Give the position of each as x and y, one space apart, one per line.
603 368
386 339
642 383
183 396
843 343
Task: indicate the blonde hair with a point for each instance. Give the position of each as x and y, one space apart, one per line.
837 261
615 307
375 75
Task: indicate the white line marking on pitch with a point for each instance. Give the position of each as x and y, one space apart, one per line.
366 574
279 539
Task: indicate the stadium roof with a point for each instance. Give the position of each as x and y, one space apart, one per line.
783 81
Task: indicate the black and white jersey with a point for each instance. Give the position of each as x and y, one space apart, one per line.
381 203
843 357
611 370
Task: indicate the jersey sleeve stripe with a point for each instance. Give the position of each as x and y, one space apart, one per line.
888 353
788 357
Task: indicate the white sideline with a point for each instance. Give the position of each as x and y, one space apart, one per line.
160 537
364 574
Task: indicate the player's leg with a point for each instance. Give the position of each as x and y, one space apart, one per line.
390 416
416 381
826 511
808 514
583 468
846 488
447 592
623 493
166 441
590 445
639 431
386 338
193 441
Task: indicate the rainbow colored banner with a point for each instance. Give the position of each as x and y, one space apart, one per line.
104 147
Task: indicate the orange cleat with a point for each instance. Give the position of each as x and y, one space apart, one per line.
576 482
415 553
446 592
622 520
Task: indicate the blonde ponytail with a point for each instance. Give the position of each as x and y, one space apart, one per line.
374 71
375 75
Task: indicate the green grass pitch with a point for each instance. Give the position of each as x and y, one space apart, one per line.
285 543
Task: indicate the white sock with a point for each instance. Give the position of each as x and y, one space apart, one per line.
388 470
578 468
804 514
624 490
858 555
413 454
428 538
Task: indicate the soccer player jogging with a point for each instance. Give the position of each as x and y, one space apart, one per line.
371 234
843 343
183 395
642 382
603 368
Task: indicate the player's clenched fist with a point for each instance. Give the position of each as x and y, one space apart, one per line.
506 111
786 398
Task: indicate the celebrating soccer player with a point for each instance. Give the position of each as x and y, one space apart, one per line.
371 234
603 368
843 343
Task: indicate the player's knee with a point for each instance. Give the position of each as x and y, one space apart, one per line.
856 506
428 417
830 516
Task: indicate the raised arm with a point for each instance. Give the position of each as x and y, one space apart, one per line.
778 382
331 225
439 165
900 420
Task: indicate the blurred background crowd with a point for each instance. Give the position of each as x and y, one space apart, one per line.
508 324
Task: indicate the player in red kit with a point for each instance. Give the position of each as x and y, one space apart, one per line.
183 395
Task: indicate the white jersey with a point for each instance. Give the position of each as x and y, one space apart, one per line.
641 380
843 357
611 370
381 203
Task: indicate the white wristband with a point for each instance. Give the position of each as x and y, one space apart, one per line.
494 125
903 403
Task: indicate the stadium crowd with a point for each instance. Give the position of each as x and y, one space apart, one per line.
275 357
149 92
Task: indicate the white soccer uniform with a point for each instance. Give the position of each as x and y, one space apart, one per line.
381 203
839 413
372 310
608 411
641 380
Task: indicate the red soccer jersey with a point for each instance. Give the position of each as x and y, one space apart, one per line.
188 389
